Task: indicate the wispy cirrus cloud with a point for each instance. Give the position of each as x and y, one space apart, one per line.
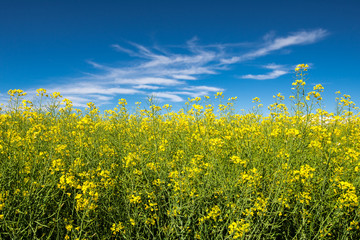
277 71
168 96
298 38
174 73
148 80
271 75
203 88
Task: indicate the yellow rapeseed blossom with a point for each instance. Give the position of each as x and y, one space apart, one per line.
238 229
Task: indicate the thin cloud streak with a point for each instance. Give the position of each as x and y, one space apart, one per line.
271 75
86 90
277 71
168 96
204 88
184 77
298 38
149 80
144 86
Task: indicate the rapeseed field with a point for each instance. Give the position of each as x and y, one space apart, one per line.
204 172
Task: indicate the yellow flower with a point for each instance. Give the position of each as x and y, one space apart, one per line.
117 227
219 94
41 91
132 221
256 99
69 227
135 199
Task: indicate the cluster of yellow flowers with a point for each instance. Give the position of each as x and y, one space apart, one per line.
238 229
301 67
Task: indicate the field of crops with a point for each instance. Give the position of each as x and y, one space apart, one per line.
203 172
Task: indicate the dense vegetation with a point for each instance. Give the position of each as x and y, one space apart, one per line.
197 173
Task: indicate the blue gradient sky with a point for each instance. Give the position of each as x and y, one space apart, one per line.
101 51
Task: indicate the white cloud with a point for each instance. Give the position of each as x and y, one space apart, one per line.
81 93
93 89
298 38
149 80
121 49
169 96
184 77
204 88
162 67
273 66
271 75
277 71
230 60
101 97
144 86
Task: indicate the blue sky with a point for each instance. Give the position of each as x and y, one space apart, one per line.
101 51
